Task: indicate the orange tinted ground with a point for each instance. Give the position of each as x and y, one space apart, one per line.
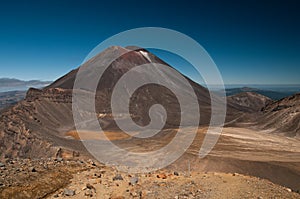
89 135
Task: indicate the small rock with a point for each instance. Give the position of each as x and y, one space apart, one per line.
176 173
2 165
143 194
98 175
89 186
32 169
59 159
102 171
134 194
117 177
134 180
89 193
162 184
69 192
162 175
289 190
91 162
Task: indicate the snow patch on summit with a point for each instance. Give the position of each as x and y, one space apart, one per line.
146 55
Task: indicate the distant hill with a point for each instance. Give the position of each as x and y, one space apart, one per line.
249 101
11 82
283 115
13 90
274 95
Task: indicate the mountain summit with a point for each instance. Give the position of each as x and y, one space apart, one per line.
37 125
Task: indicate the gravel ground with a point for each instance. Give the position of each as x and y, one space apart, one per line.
58 178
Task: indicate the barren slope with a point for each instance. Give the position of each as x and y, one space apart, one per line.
283 116
249 101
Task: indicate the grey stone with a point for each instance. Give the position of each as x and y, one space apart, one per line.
117 177
134 180
289 190
69 192
59 159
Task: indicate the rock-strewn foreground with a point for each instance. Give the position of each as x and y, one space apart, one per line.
58 178
275 166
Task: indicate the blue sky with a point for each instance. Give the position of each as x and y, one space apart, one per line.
252 42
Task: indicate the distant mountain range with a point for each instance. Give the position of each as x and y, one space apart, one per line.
272 94
11 82
14 90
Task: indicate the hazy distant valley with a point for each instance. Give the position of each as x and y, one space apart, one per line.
14 90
